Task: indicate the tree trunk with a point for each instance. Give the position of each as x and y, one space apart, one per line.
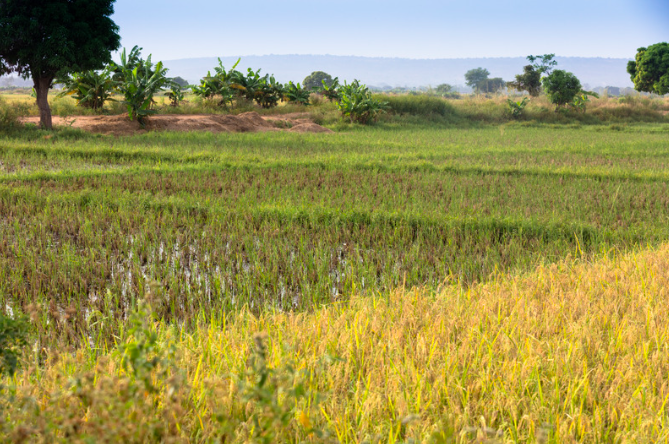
42 86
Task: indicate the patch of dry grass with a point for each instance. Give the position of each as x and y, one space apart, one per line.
574 352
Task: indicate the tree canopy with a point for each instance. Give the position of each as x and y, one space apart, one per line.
315 80
529 80
492 85
650 69
545 63
561 87
475 77
41 39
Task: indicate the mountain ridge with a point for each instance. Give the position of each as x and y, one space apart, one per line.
403 72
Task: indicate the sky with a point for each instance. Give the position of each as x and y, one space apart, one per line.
174 29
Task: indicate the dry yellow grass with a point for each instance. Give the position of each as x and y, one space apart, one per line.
574 352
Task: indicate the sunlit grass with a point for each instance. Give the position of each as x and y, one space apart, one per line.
573 352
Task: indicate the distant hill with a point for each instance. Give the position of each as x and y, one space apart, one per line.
380 71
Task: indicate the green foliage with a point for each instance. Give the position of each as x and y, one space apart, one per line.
316 79
140 81
418 105
476 77
332 91
175 94
491 85
91 89
545 63
649 70
529 80
295 93
217 85
44 38
581 100
13 337
269 92
516 107
444 88
231 84
131 60
9 115
183 83
561 87
357 103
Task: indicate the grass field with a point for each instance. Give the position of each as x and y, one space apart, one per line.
392 270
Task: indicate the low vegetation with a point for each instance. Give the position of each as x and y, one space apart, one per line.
567 353
480 269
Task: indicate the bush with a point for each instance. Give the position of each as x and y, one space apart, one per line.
561 87
9 117
418 105
91 89
358 104
315 80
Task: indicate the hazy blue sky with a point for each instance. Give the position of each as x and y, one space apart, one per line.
174 29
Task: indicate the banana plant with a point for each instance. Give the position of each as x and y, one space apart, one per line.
517 108
213 86
140 81
581 100
91 89
332 91
269 92
357 103
175 94
246 85
295 93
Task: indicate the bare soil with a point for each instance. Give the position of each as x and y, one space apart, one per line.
121 125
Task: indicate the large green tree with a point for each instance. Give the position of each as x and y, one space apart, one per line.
529 80
476 77
650 69
315 80
561 87
41 39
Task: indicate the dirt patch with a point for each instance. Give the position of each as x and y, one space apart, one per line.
309 127
251 122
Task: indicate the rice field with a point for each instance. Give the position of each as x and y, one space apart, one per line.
415 282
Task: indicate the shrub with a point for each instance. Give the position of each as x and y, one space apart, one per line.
175 94
140 81
418 105
8 115
295 93
332 91
516 108
357 103
91 89
561 87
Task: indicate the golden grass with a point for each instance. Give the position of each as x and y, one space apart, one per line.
573 352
